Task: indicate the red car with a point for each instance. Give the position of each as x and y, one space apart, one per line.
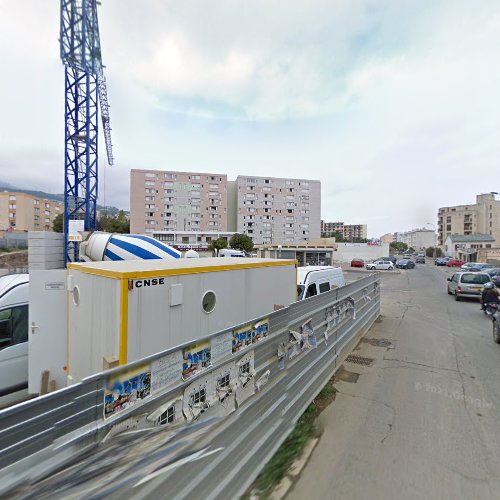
455 263
357 263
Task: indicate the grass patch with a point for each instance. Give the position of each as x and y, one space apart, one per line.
293 446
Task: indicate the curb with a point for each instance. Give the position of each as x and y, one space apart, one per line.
285 485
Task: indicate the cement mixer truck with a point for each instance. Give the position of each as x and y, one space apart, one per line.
14 299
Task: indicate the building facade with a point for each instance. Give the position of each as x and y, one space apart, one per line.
482 217
177 201
467 246
419 239
348 231
185 240
387 238
23 212
277 210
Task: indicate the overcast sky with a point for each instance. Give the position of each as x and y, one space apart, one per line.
393 104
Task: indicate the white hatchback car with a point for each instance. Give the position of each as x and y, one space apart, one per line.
380 265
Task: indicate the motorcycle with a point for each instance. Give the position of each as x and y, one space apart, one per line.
490 309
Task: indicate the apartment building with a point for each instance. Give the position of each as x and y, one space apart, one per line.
23 212
328 228
348 231
482 217
177 201
418 239
278 210
387 238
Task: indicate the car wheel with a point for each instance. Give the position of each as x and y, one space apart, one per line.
496 332
390 268
449 293
457 298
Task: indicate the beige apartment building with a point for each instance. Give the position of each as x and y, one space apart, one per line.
482 217
177 201
348 231
23 212
418 239
277 210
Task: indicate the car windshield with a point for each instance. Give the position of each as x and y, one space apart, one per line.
475 279
300 291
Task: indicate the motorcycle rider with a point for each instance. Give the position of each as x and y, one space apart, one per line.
489 295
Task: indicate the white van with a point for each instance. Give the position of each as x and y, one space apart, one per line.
229 252
14 325
313 280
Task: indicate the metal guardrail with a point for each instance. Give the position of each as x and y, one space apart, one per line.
261 374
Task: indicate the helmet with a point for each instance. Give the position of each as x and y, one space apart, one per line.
489 285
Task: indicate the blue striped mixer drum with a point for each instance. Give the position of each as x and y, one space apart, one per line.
107 246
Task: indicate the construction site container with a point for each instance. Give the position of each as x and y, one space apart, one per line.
130 309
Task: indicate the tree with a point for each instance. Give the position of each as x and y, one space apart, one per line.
398 246
57 224
433 252
119 223
241 242
218 244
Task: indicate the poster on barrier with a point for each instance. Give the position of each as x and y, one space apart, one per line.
242 337
308 335
260 330
221 346
195 358
166 371
126 389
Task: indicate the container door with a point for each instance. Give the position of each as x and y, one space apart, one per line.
47 328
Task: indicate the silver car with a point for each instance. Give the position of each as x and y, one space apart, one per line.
467 284
380 265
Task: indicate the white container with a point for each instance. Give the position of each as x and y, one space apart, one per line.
131 309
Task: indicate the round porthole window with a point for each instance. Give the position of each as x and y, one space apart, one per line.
208 302
76 296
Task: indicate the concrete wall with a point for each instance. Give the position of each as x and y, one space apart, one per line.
348 251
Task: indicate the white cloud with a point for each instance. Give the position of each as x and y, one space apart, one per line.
392 105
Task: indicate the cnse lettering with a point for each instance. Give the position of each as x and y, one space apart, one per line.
151 282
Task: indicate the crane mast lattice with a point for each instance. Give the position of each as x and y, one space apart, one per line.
86 91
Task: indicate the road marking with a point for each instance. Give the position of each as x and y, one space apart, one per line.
191 458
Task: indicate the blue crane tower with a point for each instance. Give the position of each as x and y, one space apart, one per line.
85 88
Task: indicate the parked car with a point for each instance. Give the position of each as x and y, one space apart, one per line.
474 266
494 273
405 264
420 260
455 263
442 261
392 258
357 263
313 280
465 284
380 265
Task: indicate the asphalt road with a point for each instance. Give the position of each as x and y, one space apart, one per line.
423 421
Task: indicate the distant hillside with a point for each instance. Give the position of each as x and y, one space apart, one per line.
50 196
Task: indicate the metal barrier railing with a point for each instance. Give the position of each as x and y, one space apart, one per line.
292 352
